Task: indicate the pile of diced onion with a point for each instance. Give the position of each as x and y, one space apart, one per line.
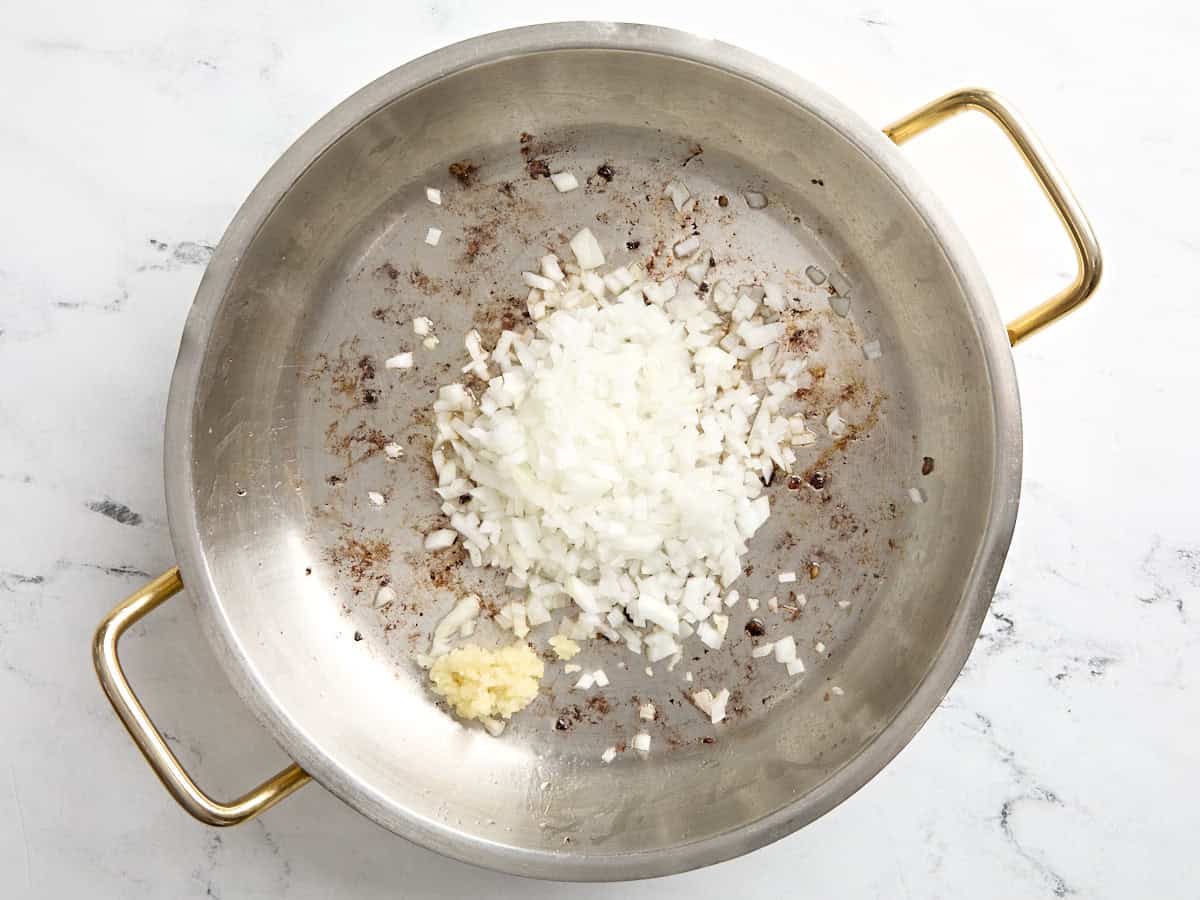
612 457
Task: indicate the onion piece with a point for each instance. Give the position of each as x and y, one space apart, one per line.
785 649
440 539
399 361
432 236
464 611
687 247
680 196
551 269
773 296
717 709
564 181
587 250
541 282
835 424
433 195
840 305
384 597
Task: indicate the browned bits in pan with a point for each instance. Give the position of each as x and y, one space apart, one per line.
464 171
360 558
927 465
388 270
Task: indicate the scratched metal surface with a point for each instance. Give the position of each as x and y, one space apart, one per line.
291 405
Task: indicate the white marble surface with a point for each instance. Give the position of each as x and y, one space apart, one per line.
1065 759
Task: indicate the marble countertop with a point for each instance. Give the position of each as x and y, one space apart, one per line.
1063 762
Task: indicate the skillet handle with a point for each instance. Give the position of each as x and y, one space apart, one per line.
1087 251
147 737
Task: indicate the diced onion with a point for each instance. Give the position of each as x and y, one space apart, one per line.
587 250
611 459
384 597
564 181
440 539
717 709
680 196
785 649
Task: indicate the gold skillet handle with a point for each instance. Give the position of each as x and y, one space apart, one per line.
1087 251
147 737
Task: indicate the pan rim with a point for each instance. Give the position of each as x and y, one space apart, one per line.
233 653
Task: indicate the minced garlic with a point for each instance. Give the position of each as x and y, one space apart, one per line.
482 684
564 647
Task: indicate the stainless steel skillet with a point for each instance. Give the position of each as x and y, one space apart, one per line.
280 407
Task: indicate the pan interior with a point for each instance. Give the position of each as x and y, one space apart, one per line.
294 405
